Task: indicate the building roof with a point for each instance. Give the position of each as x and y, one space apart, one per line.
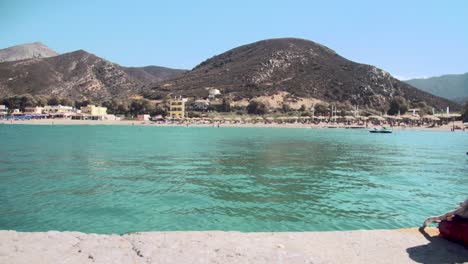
202 101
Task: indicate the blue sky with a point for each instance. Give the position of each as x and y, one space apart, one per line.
407 38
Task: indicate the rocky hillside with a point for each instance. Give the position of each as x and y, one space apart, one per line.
452 86
300 67
151 74
26 51
77 75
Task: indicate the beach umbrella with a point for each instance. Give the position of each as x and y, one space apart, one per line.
410 117
376 117
389 117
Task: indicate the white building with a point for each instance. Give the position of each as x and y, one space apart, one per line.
56 109
3 110
144 117
33 110
212 93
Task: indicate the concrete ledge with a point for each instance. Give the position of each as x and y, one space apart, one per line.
361 246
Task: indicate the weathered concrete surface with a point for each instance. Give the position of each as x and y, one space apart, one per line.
375 246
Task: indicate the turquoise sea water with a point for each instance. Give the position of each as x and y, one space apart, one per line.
118 179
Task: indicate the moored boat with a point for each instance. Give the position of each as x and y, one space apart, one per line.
381 130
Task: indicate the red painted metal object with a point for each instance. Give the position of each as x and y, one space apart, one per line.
456 230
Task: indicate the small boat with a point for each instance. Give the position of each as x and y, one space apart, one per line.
381 130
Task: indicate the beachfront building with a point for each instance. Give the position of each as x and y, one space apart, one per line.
57 109
3 110
212 93
143 117
37 110
94 110
34 112
177 108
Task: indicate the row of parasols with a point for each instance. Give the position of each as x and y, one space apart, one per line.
322 118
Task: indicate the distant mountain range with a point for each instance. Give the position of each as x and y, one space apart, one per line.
453 86
26 51
297 67
77 75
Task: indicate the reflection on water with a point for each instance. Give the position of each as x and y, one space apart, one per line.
123 179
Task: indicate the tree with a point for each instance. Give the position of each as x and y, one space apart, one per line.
141 106
87 102
41 101
158 110
257 108
122 109
465 112
302 109
321 109
27 100
53 101
66 101
111 106
225 106
398 105
12 102
286 108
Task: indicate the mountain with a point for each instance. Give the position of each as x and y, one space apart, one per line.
299 67
452 86
295 68
77 75
26 51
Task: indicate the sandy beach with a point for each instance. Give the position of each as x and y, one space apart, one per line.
361 246
260 125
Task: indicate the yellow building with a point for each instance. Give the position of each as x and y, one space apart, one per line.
94 110
177 108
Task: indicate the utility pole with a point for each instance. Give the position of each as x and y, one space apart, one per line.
312 109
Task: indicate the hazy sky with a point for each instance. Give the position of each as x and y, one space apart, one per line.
407 38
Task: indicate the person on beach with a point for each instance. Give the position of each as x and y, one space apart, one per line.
461 213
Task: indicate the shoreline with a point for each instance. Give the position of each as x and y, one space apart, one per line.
249 125
360 246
